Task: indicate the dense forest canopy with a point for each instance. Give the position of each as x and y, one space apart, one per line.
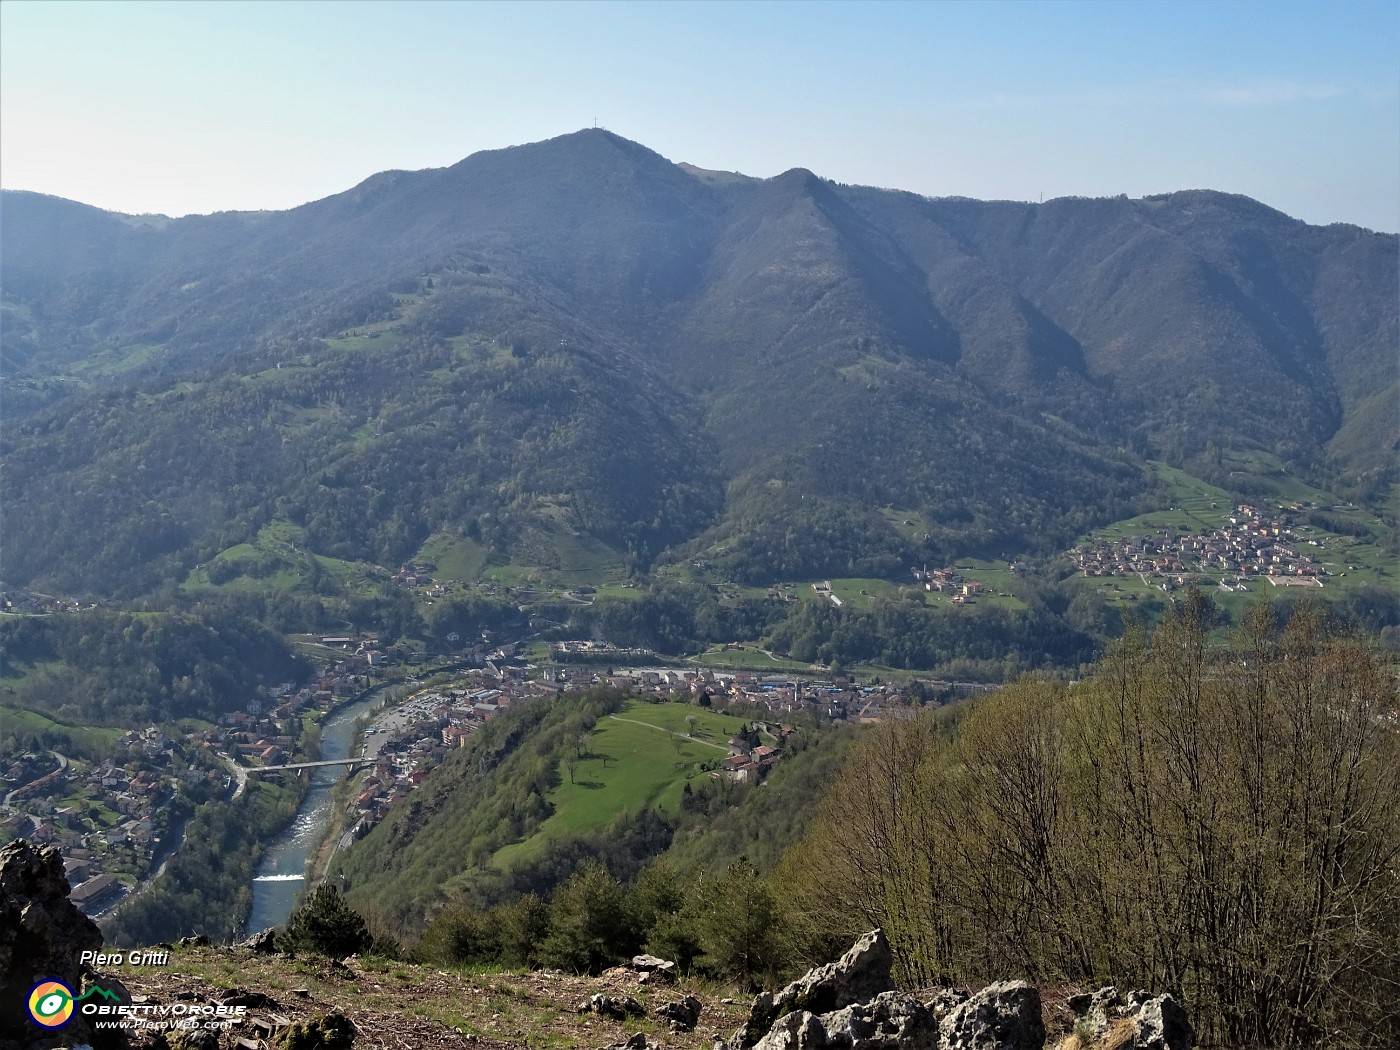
104 667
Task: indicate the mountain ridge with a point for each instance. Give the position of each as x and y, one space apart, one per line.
862 347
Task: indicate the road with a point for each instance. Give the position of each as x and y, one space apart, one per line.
62 765
240 774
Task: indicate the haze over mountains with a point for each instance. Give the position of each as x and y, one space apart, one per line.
581 334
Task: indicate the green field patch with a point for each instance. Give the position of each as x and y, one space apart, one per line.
637 759
278 560
14 673
113 362
553 558
864 593
747 658
92 739
908 523
624 591
455 557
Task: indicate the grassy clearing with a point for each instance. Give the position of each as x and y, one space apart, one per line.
908 523
92 739
640 758
280 562
395 1003
747 659
456 557
106 364
1197 506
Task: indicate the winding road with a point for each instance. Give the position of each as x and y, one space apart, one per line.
62 765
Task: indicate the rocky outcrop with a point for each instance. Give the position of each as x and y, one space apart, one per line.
858 976
1003 1016
683 1015
613 1007
264 942
890 1021
850 1005
654 969
1155 1023
42 935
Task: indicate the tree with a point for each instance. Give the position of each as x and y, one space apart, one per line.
735 917
326 925
589 924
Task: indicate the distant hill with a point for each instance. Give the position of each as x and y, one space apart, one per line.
579 337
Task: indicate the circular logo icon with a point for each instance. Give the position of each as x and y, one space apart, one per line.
51 1004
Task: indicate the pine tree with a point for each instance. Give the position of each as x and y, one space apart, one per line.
326 925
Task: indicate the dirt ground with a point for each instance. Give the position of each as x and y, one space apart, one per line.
403 1006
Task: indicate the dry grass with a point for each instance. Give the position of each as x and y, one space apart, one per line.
397 1005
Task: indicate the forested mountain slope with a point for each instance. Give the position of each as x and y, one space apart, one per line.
580 334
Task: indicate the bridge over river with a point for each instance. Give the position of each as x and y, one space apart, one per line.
292 766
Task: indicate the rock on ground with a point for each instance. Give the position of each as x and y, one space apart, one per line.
859 975
42 934
1158 1023
890 1021
1002 1016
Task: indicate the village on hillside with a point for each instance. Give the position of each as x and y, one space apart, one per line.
1255 544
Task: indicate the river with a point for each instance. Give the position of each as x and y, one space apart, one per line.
279 877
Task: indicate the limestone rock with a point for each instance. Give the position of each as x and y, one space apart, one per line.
1162 1024
890 1021
614 1007
654 967
1002 1016
683 1015
41 935
1156 1023
264 942
858 976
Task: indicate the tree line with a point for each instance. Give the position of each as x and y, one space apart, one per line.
1222 823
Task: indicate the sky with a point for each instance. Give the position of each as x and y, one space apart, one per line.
197 107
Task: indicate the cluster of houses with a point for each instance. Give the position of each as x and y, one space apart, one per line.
948 581
749 762
1254 544
32 603
407 741
775 695
107 818
573 650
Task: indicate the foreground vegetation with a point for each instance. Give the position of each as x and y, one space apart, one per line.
1221 823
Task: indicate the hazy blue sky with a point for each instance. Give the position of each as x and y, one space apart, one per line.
196 107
